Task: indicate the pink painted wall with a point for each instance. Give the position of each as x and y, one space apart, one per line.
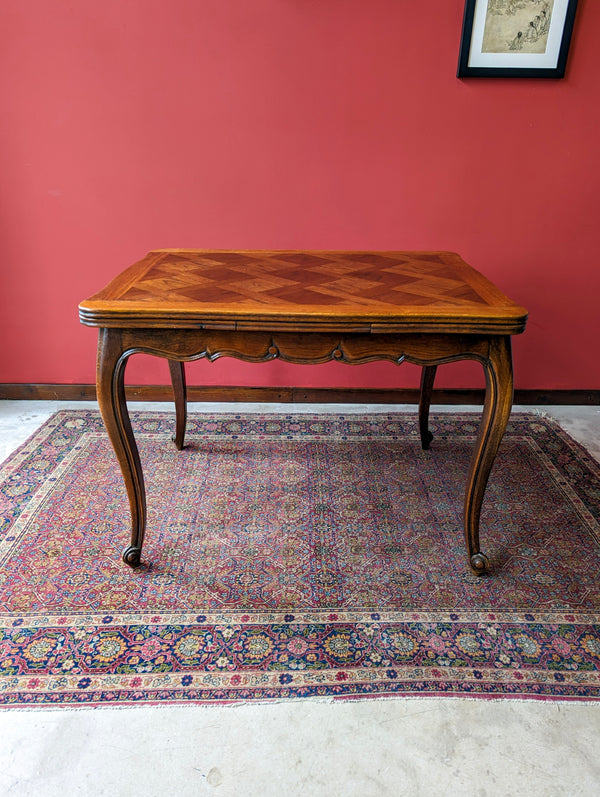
128 125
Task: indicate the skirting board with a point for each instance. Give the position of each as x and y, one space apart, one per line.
300 395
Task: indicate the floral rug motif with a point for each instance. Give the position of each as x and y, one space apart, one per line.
292 556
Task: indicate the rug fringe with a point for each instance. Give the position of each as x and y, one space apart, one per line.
558 702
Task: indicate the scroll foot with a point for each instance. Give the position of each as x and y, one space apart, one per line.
132 556
426 440
480 564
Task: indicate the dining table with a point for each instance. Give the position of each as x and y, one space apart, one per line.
308 307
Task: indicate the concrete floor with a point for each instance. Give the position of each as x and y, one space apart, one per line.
428 746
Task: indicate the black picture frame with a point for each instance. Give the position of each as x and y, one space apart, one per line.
485 53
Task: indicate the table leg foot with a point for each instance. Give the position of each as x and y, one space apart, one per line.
496 412
480 564
132 556
427 380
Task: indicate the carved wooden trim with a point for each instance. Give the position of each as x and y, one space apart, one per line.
299 348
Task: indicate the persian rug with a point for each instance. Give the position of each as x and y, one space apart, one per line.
290 556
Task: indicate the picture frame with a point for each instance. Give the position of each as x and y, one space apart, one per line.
516 38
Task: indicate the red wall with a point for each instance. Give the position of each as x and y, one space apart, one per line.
128 125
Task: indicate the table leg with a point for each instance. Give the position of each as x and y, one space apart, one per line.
427 380
496 412
111 398
177 370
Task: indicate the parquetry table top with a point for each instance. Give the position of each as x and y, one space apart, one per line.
370 291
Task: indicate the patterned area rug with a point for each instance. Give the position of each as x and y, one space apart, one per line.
295 555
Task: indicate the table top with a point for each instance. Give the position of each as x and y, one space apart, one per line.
304 291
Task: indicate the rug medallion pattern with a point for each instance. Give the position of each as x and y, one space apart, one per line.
293 556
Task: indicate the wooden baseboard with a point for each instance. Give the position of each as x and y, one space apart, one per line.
286 395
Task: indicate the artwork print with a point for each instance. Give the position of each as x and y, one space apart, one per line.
517 25
516 38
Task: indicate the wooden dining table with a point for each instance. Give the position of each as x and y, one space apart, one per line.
427 308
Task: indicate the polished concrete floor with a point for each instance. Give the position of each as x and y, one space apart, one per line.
428 746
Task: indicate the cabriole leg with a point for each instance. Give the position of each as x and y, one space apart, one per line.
496 412
177 370
427 380
111 398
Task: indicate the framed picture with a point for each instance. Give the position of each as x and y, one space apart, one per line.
516 38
